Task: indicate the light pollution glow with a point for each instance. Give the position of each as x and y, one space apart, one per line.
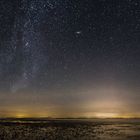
108 102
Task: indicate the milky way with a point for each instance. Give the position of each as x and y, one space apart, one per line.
66 55
25 53
26 41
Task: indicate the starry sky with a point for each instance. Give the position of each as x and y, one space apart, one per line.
70 58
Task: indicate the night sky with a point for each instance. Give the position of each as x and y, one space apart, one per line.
69 58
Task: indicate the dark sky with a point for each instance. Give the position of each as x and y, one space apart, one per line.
72 58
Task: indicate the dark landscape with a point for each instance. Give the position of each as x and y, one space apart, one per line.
70 129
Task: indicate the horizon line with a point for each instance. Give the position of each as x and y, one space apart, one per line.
69 118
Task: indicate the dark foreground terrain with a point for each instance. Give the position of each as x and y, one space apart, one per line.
86 129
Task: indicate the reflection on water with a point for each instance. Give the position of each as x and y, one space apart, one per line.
95 129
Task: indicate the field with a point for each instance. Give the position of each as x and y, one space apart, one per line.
74 129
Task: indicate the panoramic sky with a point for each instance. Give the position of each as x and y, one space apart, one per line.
69 58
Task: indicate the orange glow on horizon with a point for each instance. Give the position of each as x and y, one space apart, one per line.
94 115
106 115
